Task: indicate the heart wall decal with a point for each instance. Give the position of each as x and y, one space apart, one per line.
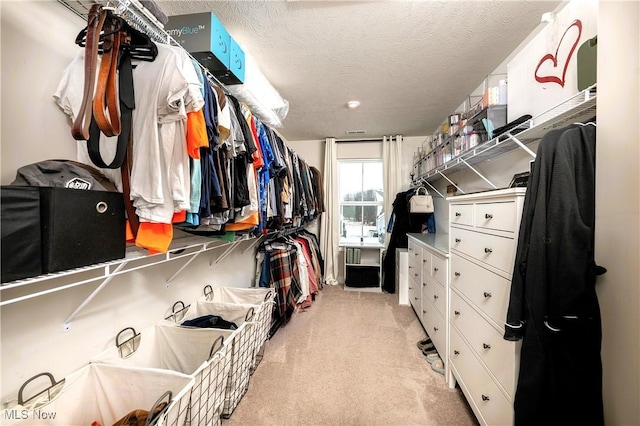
553 59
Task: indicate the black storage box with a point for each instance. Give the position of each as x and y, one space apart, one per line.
76 228
20 228
362 276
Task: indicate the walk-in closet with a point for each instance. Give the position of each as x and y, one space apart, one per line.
320 213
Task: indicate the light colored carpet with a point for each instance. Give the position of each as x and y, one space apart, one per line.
350 359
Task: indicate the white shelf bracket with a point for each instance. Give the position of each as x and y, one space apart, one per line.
187 263
479 174
228 251
449 180
253 244
521 145
67 323
432 187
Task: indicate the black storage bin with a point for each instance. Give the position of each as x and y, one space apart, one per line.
362 276
80 227
20 225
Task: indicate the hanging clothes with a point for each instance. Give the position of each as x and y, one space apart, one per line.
553 305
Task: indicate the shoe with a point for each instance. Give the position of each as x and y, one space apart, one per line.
429 347
427 351
422 343
438 366
432 357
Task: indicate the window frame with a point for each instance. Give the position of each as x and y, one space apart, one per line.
381 203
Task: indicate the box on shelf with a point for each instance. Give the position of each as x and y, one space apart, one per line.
47 229
206 39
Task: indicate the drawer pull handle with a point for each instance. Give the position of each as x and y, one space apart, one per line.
415 298
410 288
457 274
424 260
486 346
424 312
457 240
435 328
415 274
424 284
488 216
435 296
435 269
458 214
485 398
456 312
487 294
487 250
456 352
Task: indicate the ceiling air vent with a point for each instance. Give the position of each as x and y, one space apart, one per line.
355 132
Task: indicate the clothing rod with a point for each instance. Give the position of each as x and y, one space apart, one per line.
359 140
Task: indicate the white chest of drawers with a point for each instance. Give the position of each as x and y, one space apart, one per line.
483 230
428 288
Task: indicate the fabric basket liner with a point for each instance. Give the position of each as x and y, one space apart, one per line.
187 351
243 346
106 393
263 300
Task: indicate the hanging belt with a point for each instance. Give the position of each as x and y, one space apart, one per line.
127 104
95 21
106 89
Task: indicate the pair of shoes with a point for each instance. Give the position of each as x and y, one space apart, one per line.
426 343
432 357
428 348
438 366
429 351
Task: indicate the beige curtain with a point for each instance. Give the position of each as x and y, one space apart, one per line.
392 170
329 235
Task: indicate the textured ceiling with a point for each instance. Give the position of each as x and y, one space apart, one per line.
409 63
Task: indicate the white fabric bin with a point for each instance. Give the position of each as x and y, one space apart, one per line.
101 393
263 299
242 341
204 354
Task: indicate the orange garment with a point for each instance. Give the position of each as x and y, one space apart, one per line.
248 223
196 133
155 237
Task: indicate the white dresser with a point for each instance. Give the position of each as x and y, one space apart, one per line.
428 286
483 232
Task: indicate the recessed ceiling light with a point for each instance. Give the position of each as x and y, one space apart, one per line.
353 104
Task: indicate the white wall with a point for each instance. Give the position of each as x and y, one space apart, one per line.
618 207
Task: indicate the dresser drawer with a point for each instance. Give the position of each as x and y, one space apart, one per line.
434 325
414 255
415 296
491 406
435 294
500 216
439 269
490 249
498 355
426 265
461 214
488 291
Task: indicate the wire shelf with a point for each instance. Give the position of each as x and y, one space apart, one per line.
578 108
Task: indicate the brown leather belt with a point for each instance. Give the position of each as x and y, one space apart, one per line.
95 21
100 21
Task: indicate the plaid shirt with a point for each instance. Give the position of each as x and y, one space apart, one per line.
285 278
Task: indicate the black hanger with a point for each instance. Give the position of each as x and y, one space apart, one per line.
137 44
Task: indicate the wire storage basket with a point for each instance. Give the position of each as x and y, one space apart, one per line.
203 354
263 300
103 394
241 340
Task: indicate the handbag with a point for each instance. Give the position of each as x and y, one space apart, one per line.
421 203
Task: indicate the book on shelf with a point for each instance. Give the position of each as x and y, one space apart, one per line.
349 255
357 255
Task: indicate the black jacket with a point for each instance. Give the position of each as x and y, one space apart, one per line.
553 306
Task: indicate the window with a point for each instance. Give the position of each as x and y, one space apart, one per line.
362 217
